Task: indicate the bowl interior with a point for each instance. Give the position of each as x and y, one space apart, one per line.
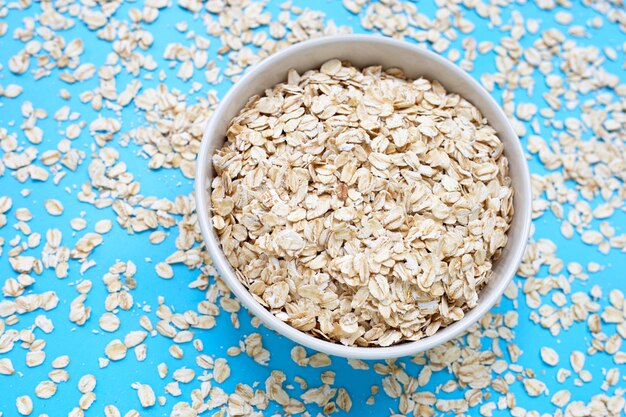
362 51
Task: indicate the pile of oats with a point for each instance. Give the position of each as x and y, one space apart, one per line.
361 206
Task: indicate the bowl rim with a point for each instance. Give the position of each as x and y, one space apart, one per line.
228 275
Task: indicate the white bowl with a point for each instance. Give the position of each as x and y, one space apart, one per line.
361 51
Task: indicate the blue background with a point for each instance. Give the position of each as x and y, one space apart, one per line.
84 344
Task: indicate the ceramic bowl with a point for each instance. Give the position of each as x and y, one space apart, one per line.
362 51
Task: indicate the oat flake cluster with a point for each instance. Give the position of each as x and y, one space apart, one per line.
361 206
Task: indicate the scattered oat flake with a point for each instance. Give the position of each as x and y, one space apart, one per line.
61 362
549 356
54 207
221 370
115 350
87 383
35 358
164 270
24 405
6 367
45 389
577 360
103 226
146 395
109 322
534 387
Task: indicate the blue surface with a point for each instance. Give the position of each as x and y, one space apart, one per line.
84 344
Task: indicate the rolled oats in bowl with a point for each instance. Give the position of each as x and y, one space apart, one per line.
360 206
